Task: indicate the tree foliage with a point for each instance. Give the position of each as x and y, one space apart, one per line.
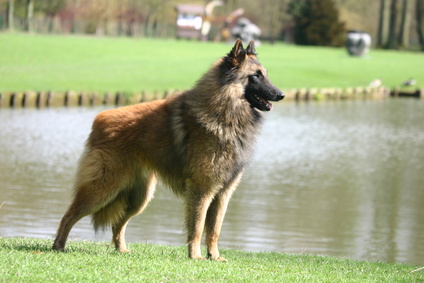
316 22
419 15
391 23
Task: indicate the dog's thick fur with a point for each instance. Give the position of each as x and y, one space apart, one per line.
199 142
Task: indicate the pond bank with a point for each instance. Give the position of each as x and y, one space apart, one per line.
40 99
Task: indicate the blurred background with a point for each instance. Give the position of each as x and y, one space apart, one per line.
393 24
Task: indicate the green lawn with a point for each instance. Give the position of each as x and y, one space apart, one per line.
83 63
32 260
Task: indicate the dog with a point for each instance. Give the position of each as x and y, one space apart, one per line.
198 142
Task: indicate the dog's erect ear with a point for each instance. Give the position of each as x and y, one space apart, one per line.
237 54
251 48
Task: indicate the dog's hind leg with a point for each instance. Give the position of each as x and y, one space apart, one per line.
82 205
137 198
97 185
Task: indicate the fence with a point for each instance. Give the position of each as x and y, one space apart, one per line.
71 98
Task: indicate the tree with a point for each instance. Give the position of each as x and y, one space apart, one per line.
29 15
419 14
316 22
392 42
383 23
50 9
10 12
403 37
97 14
394 24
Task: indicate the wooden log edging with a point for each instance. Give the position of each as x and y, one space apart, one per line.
42 99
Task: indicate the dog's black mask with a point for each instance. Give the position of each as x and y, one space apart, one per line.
260 91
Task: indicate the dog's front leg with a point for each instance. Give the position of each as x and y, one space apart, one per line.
197 203
215 217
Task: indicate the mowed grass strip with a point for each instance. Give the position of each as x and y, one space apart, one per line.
32 260
85 63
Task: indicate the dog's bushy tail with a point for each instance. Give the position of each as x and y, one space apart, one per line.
111 213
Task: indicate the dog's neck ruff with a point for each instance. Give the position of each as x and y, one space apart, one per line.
225 113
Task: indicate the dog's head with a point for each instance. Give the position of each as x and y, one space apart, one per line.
242 66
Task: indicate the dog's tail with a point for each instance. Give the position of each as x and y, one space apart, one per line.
112 213
130 201
101 188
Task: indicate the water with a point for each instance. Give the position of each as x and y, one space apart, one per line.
336 178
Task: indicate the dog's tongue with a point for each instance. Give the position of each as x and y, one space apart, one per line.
269 104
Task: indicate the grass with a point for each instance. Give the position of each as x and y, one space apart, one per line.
83 63
32 260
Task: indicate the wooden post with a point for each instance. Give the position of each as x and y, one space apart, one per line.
66 99
81 99
38 99
12 100
418 93
395 92
118 99
329 93
93 99
143 96
106 99
24 100
290 94
301 94
338 92
49 98
71 99
29 99
307 94
16 99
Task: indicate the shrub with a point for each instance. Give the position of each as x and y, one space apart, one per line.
316 22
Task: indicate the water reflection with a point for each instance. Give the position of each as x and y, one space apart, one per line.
335 178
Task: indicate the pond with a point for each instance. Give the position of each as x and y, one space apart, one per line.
342 178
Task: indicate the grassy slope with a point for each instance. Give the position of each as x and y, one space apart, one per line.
50 62
32 260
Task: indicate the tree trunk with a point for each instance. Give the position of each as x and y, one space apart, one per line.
383 24
10 17
420 23
392 40
29 15
403 39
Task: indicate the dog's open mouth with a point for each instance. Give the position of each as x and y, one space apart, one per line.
264 102
259 102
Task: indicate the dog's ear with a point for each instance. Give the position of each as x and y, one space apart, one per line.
237 54
251 48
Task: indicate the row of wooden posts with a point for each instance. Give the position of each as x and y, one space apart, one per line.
71 98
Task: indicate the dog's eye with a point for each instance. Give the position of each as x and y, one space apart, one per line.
257 75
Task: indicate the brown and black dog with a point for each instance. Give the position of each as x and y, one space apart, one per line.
198 142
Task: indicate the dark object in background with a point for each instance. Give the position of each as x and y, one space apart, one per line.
358 43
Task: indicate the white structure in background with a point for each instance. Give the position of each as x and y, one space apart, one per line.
189 20
194 21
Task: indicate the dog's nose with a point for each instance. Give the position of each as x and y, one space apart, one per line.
280 96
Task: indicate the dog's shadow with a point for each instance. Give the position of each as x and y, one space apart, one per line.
35 246
27 247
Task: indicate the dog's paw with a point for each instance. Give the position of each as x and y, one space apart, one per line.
122 250
198 257
221 259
